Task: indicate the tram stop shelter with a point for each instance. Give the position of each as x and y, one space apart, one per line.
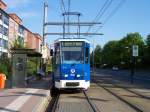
19 65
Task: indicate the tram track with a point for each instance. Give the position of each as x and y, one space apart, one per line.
129 90
92 105
136 108
53 104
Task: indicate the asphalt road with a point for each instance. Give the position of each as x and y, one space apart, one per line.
141 78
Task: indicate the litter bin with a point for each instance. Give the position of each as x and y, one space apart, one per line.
2 80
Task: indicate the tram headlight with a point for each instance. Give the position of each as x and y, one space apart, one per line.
66 75
78 75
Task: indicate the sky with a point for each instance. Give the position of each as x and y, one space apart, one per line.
132 16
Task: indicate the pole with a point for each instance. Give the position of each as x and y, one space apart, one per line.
44 26
132 70
133 62
93 56
64 27
45 21
79 24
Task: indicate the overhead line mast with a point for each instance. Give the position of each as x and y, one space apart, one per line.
68 23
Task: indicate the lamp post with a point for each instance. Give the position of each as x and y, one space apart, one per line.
134 54
133 61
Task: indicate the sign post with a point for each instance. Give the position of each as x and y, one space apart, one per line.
134 55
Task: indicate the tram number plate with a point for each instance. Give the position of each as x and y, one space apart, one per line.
72 83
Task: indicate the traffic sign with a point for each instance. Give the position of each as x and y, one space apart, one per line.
135 50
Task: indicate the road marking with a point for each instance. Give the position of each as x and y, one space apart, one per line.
18 103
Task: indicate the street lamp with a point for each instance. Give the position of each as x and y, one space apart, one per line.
134 54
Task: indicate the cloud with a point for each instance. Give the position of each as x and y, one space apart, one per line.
26 15
17 3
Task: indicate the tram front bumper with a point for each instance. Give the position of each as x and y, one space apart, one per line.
72 84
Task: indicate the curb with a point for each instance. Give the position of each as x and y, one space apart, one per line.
43 103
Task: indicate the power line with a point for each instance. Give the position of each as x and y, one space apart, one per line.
101 12
111 14
68 14
63 6
114 11
106 6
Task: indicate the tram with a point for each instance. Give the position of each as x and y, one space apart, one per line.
71 63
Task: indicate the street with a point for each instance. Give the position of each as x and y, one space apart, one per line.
110 91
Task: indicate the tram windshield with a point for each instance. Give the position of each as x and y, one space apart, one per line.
72 54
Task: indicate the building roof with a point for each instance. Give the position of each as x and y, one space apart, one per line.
38 36
1 2
17 17
28 52
4 12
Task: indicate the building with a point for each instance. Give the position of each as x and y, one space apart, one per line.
38 42
16 29
32 40
12 28
4 27
45 52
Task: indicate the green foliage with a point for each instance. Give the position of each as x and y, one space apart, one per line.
118 53
18 43
148 40
111 53
3 69
5 65
32 66
97 56
146 52
126 46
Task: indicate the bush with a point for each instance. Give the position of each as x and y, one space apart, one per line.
3 69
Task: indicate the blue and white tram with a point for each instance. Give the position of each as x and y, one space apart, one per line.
71 63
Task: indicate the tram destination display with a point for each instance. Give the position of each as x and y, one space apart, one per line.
66 44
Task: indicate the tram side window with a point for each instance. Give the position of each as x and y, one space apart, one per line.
87 55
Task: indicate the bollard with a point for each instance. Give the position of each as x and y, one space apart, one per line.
2 80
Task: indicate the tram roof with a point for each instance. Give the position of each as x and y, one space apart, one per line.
72 39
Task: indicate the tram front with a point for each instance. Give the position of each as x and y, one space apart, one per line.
75 65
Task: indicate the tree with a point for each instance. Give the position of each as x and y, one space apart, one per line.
5 65
119 52
126 46
110 53
148 40
18 43
97 56
146 56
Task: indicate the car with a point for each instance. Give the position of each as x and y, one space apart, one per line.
115 68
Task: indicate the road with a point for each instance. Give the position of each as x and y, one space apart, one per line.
110 91
141 78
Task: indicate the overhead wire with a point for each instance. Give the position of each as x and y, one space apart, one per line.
112 13
68 14
63 6
101 12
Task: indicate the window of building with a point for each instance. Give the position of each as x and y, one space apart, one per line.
21 40
5 44
5 31
0 16
0 53
6 20
1 29
0 42
21 30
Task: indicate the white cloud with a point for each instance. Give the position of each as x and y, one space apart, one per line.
17 3
26 15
